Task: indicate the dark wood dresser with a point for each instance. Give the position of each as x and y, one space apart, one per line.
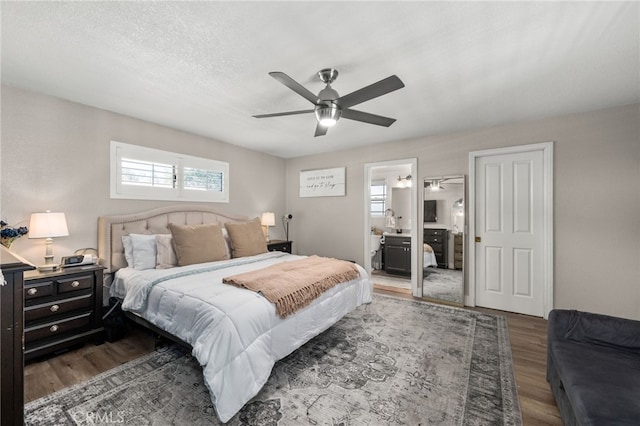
279 245
438 239
11 320
62 308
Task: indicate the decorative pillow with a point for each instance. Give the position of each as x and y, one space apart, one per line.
144 251
247 238
198 243
165 254
128 250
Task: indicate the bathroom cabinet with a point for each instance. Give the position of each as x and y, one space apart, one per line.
397 255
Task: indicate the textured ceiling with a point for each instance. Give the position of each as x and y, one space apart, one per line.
202 66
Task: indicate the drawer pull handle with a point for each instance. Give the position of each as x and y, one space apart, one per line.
32 291
54 308
53 328
75 284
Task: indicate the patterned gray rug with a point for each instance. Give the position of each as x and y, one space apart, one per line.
389 363
443 284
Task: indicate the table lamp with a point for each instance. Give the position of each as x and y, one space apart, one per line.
268 219
48 225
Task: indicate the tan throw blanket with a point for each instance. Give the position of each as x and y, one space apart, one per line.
293 285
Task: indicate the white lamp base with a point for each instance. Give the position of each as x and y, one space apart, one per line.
47 268
48 258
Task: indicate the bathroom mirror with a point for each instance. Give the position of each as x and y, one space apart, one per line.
401 205
443 237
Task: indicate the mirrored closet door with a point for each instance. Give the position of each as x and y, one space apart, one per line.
443 237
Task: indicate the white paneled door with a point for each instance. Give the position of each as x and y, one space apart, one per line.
509 237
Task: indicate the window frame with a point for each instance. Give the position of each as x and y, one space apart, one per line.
118 190
383 198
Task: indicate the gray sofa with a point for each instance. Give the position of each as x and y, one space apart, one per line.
593 367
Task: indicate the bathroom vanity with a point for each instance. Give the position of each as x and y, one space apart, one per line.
397 254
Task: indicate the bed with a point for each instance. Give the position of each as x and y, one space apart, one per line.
234 333
429 257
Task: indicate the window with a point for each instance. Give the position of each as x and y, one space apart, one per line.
151 174
378 198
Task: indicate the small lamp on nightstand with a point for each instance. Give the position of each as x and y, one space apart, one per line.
268 219
48 225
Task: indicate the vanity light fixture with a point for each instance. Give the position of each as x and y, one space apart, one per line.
404 182
268 219
48 225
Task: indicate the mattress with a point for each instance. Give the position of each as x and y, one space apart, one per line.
235 333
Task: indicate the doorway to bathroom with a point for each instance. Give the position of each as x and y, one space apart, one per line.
391 231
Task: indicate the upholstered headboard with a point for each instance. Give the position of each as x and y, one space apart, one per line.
156 221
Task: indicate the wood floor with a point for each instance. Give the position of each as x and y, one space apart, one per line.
528 337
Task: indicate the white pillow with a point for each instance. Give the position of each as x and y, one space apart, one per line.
128 250
165 254
144 251
227 242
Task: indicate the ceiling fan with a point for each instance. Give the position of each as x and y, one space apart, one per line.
329 106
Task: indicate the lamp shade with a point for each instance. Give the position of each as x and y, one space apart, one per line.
48 225
268 219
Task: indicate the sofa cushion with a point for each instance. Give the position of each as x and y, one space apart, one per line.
598 371
604 330
602 383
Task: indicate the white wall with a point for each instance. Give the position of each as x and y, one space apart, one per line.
597 165
55 155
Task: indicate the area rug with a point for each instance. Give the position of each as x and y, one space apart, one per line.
443 284
391 362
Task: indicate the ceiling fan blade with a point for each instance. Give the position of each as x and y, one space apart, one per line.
295 86
374 90
321 130
278 114
366 117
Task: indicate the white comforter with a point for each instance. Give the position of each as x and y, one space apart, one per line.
236 334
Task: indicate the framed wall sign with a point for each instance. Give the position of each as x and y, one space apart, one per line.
323 183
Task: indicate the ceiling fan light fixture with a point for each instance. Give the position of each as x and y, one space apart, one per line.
327 115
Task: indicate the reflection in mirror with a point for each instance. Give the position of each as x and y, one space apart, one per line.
443 233
391 221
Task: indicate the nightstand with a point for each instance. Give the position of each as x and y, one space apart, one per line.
61 309
279 245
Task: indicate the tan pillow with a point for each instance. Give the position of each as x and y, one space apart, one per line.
247 238
198 243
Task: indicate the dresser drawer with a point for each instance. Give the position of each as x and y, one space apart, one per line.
435 233
55 328
40 289
57 307
66 285
283 246
434 240
437 248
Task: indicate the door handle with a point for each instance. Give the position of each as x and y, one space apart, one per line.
478 239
